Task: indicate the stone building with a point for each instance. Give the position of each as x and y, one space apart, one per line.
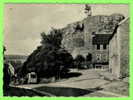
119 50
100 53
91 35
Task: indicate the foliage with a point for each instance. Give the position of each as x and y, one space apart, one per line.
79 60
89 57
89 60
53 38
49 59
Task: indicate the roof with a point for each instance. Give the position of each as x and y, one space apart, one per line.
115 30
101 39
123 20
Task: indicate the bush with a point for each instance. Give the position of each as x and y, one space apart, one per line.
79 60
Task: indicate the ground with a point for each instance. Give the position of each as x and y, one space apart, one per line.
89 83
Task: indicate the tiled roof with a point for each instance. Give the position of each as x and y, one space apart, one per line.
101 38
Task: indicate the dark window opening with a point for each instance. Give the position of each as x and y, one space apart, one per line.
93 33
98 46
98 57
80 27
104 46
98 67
89 57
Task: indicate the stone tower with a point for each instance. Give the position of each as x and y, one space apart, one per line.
88 11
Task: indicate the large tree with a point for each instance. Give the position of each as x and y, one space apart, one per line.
89 57
79 60
89 60
48 59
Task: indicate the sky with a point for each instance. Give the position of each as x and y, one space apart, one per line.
23 23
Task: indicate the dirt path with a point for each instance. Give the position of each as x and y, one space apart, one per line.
88 80
111 93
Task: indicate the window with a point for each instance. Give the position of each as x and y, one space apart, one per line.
99 67
98 46
104 46
98 57
93 33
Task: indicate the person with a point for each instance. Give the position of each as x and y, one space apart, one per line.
8 72
6 76
11 70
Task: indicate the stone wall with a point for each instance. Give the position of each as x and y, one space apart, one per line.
123 30
73 37
103 55
79 34
119 50
114 56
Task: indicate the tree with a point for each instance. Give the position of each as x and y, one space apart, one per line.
49 59
64 59
89 57
89 60
79 61
53 38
